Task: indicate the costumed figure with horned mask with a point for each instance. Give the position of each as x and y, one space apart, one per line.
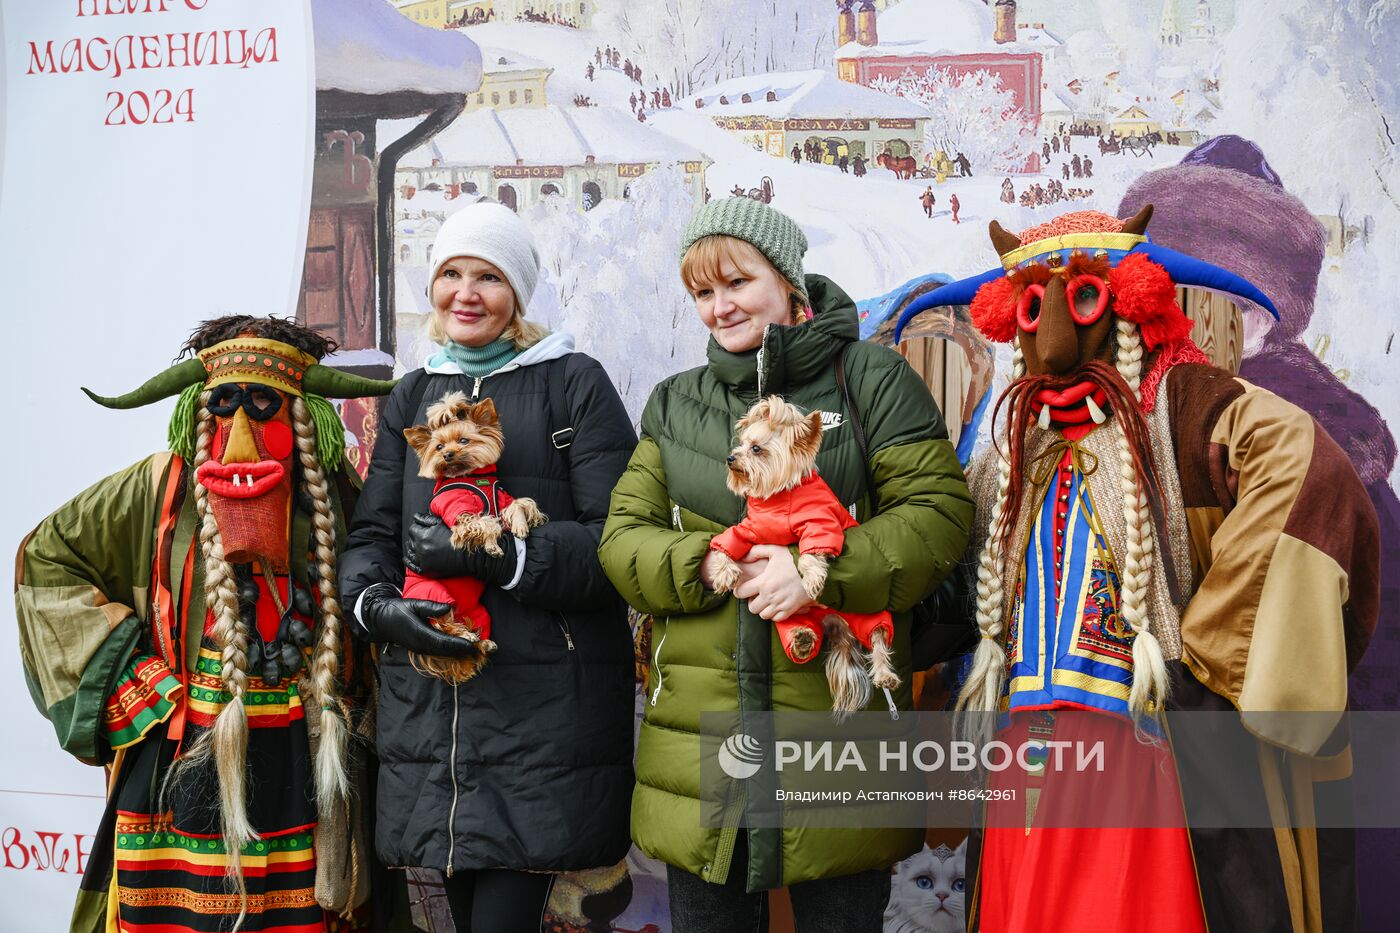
179 623
1155 535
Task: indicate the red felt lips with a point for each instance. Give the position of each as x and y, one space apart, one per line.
1066 397
1068 406
231 480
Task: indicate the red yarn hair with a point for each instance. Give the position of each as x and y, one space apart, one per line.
993 309
1144 294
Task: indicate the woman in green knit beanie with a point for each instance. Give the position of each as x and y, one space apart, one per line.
774 331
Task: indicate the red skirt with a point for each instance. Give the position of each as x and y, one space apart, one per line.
1107 851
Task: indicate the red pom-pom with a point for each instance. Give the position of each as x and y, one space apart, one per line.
1144 294
993 310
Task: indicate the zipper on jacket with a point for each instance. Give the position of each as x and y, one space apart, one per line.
762 358
889 698
564 627
676 517
656 659
452 767
476 387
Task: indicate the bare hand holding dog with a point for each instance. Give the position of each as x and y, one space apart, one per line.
770 582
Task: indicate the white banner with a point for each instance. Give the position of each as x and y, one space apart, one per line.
157 172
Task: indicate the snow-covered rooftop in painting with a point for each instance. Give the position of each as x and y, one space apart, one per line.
496 61
544 136
1065 99
1037 37
367 47
941 27
800 94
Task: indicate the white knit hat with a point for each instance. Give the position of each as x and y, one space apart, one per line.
495 233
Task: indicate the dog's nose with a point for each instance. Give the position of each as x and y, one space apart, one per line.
731 458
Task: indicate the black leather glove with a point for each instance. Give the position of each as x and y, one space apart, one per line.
390 618
428 551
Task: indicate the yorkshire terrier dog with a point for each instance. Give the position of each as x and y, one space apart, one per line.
459 447
775 468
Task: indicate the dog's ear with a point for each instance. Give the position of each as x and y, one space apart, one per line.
418 437
807 436
484 412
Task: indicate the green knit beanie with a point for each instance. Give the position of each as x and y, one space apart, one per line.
772 233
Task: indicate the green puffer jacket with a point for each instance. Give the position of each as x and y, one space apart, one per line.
709 652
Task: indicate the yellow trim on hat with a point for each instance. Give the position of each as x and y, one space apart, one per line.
256 359
1070 241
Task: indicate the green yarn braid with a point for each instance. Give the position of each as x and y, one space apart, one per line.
180 434
330 432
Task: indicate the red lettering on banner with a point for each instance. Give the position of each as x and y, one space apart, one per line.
9 842
48 851
184 105
138 108
172 49
82 852
127 7
113 56
34 58
150 52
92 64
269 39
210 46
53 857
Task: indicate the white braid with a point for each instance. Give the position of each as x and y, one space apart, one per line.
1135 576
332 782
1128 359
226 742
982 691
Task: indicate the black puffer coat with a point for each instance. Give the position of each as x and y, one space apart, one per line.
529 764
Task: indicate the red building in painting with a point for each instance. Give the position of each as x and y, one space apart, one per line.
958 37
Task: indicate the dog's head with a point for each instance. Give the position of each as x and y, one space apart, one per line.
458 438
777 448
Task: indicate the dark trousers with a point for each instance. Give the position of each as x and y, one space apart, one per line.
497 900
845 904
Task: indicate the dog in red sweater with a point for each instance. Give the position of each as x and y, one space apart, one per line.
459 447
775 468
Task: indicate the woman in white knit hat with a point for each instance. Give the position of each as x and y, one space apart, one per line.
526 769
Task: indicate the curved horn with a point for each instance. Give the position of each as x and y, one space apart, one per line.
954 293
1188 270
1003 240
171 382
329 382
1138 222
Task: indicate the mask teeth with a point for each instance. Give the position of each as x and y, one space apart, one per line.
1045 417
1095 411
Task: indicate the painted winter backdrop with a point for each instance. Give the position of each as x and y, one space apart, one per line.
1309 85
605 125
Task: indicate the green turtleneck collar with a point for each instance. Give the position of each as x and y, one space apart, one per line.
792 356
477 361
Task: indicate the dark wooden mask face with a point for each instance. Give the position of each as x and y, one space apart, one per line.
1057 330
